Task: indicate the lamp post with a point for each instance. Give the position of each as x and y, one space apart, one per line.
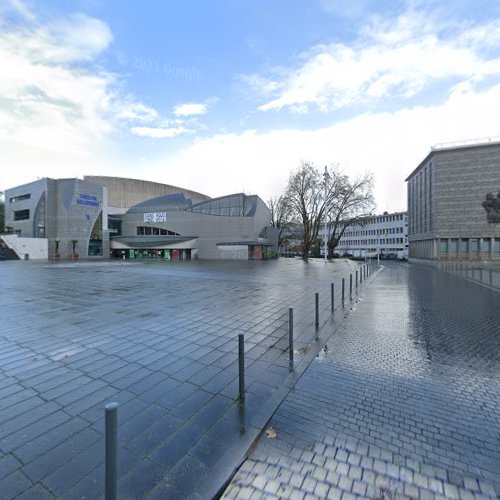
325 242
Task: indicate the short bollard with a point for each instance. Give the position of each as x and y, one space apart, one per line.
356 278
111 463
361 275
290 336
241 359
332 296
316 318
350 286
343 291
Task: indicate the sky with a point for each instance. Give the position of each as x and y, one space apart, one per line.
226 96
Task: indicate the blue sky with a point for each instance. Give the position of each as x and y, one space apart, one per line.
226 96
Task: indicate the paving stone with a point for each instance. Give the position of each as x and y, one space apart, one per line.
409 377
8 464
380 395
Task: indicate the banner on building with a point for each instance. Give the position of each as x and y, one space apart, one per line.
155 217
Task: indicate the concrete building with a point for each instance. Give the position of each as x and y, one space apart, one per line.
124 193
173 227
73 218
70 214
385 235
454 204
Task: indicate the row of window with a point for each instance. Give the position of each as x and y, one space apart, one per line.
468 245
156 231
386 218
377 241
232 206
20 197
373 232
420 193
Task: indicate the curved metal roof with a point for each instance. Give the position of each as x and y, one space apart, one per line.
176 201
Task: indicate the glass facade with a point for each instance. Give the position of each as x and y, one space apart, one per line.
157 231
39 219
95 242
238 205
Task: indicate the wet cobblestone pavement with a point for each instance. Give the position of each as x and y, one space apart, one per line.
403 402
160 338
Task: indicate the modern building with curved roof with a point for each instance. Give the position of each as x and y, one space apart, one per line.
124 193
172 227
129 219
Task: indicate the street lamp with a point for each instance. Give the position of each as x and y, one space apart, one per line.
326 176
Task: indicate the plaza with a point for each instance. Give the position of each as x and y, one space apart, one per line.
160 339
394 395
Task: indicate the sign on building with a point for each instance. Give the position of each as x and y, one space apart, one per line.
155 217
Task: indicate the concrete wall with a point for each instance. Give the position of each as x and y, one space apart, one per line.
463 178
124 193
445 199
36 190
208 229
68 210
35 248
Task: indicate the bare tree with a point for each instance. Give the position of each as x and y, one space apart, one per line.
281 218
304 197
350 202
345 203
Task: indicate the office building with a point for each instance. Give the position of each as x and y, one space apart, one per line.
454 204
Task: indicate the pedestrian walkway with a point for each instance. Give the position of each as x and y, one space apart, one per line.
161 340
403 401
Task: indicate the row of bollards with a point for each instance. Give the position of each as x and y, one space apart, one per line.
111 409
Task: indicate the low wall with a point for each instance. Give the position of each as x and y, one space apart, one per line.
35 248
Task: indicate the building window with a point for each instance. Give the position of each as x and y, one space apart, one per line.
21 215
474 246
454 247
464 246
20 197
486 245
497 245
155 231
443 246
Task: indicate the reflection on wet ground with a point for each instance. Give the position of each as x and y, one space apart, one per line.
160 338
403 402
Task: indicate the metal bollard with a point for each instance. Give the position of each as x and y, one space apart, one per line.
111 463
241 359
316 300
343 291
356 278
290 336
350 286
361 275
332 295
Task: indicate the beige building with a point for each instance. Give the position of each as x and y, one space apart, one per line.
454 204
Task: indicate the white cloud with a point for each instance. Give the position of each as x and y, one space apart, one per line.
190 109
387 61
159 132
52 94
389 144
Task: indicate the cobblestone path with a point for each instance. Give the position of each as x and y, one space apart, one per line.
403 402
